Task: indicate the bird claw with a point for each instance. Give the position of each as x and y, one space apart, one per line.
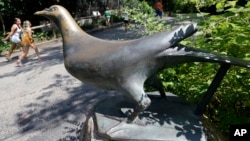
130 113
121 126
132 117
140 108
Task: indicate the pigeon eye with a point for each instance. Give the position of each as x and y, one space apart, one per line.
53 8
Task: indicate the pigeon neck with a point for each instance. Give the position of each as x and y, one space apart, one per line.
68 26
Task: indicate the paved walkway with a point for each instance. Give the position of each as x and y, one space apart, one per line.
41 101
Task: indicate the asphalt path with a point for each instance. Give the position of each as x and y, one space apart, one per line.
41 101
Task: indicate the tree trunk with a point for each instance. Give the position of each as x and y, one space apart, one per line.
1 19
107 3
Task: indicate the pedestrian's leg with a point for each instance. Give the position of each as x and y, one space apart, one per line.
126 26
27 52
12 48
108 21
23 55
36 50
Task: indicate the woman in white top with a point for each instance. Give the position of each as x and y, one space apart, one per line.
14 37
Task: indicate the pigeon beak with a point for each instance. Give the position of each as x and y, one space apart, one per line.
42 12
38 12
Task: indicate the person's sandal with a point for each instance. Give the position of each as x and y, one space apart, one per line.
8 58
40 58
19 64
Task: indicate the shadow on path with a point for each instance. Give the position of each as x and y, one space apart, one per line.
53 57
69 112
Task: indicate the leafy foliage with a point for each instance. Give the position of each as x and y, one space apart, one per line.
25 9
4 47
227 34
143 16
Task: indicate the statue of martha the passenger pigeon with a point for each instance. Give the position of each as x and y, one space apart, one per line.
125 65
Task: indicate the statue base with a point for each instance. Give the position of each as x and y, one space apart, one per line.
166 119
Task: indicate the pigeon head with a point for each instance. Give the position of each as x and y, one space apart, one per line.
53 11
61 17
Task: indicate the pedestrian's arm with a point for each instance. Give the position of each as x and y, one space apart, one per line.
13 30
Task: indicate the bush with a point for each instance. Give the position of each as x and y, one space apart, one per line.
226 34
143 17
4 47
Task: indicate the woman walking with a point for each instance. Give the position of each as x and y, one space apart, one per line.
27 41
14 37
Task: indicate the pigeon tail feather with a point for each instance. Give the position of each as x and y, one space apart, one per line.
184 54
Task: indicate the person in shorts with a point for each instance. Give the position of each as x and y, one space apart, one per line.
107 15
27 42
125 21
14 36
158 8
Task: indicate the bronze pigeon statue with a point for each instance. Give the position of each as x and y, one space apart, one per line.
125 65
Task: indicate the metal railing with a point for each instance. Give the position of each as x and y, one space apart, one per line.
47 26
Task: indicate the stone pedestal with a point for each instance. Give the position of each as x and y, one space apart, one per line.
166 119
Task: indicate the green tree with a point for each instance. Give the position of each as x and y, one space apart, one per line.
25 9
143 15
226 33
1 17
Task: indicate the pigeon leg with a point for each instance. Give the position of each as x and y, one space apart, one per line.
155 82
142 105
136 93
133 88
